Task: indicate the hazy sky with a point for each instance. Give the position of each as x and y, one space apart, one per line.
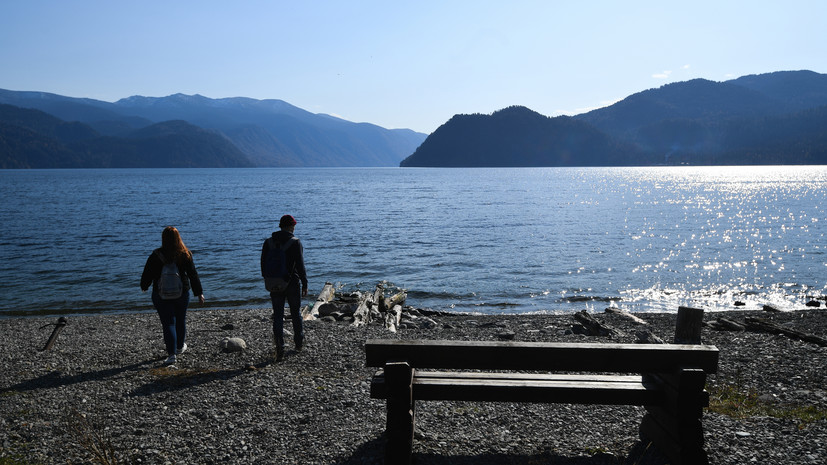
401 64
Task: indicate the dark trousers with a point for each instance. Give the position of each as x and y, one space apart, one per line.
293 297
173 314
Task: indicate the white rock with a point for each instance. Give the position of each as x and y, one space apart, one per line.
233 344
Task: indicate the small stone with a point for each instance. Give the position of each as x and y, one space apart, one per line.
233 344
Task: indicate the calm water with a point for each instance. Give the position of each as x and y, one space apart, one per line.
483 240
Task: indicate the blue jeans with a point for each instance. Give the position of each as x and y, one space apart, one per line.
293 297
173 315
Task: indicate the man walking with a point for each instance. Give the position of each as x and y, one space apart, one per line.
283 254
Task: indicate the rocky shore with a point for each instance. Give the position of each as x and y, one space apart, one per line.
102 395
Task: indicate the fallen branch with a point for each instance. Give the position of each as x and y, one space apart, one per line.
761 325
61 323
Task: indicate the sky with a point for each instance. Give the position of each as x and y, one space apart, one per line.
397 63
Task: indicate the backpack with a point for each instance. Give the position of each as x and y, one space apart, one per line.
276 275
170 286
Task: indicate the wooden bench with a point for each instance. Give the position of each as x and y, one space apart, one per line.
668 379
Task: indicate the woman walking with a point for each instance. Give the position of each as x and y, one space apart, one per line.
171 272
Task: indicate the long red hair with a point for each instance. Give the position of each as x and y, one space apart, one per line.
172 246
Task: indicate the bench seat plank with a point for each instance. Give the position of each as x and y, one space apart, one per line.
541 356
528 387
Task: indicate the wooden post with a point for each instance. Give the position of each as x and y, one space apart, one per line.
688 325
61 323
400 424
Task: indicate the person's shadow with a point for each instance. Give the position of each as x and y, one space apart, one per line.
176 380
171 380
54 379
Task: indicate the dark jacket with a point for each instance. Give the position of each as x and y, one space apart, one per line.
294 256
186 268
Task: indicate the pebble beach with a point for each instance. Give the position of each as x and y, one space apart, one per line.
101 394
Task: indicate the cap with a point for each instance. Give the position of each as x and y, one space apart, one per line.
287 220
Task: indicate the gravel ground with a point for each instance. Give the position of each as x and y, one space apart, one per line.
103 388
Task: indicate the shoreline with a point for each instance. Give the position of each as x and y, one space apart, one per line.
105 374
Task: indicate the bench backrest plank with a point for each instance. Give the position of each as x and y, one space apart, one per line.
542 356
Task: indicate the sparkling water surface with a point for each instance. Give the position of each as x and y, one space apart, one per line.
480 240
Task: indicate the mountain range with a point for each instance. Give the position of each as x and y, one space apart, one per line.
773 118
42 130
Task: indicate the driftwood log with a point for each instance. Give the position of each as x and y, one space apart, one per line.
396 299
762 325
594 327
623 313
725 324
362 314
393 318
327 294
645 336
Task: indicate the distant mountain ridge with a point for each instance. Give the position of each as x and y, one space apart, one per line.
518 136
774 118
264 132
34 139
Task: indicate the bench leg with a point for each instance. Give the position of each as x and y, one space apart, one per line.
675 427
400 426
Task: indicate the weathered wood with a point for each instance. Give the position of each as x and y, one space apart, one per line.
361 316
536 388
397 299
725 324
400 413
683 391
688 325
673 393
378 297
392 318
625 314
325 296
594 327
762 325
541 356
646 336
61 323
677 453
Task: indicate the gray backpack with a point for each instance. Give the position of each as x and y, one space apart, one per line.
170 285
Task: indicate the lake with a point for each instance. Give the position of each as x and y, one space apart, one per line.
474 240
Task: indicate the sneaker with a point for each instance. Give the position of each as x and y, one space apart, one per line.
299 346
182 349
280 354
170 360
